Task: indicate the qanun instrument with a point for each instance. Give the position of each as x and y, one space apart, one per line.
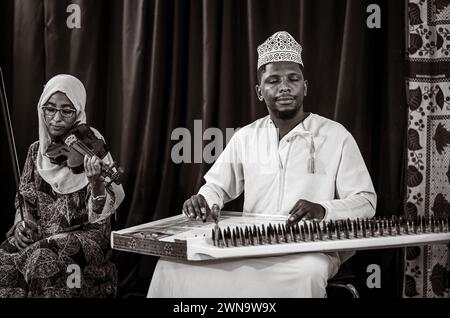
246 235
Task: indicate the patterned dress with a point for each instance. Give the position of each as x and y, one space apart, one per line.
72 258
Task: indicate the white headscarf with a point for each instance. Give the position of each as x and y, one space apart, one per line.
61 178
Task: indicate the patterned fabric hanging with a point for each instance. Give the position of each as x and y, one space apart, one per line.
428 141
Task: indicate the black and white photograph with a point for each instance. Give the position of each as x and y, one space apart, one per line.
225 155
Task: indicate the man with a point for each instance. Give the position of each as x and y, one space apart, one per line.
288 163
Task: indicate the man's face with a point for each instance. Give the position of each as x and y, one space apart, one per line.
59 114
282 87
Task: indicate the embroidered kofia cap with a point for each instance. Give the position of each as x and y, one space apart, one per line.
280 47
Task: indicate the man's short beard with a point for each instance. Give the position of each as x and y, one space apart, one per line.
286 114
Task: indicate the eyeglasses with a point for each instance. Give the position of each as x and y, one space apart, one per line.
50 111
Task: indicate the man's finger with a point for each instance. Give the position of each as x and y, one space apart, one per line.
295 217
204 203
215 212
190 209
184 209
297 206
307 210
308 216
197 207
203 213
203 207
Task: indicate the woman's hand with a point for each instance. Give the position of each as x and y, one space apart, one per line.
25 234
93 169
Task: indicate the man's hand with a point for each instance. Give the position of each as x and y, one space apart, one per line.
307 210
197 207
25 235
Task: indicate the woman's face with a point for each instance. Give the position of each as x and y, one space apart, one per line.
59 114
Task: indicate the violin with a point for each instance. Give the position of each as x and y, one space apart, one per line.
70 149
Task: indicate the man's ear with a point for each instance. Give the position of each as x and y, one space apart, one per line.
306 88
258 92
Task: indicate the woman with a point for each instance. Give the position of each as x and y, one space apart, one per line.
62 248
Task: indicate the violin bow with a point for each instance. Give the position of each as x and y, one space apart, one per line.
11 142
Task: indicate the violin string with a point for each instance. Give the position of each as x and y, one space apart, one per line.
82 148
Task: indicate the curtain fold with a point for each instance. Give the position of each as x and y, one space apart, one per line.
151 66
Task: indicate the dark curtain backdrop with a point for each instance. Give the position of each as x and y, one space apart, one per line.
152 66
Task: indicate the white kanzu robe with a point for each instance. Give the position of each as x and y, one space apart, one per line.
274 174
